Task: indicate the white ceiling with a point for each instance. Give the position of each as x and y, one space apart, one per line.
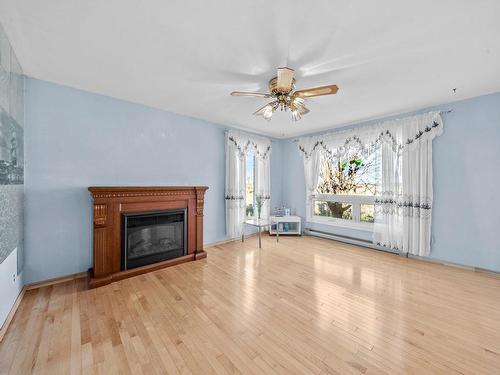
386 56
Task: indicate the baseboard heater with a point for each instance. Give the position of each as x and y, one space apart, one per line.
348 239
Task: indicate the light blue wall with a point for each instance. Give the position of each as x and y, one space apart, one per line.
276 174
77 139
466 216
68 138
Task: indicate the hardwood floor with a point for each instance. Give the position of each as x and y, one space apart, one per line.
303 306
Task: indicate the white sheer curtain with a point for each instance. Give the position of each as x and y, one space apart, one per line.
237 146
387 228
235 188
311 158
263 184
403 213
404 208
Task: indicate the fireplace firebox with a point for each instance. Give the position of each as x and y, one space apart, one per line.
152 237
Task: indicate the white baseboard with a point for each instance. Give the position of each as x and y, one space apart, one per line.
354 241
349 240
214 244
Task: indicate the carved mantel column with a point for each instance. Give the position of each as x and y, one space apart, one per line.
200 201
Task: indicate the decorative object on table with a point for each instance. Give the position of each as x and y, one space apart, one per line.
259 202
279 211
282 211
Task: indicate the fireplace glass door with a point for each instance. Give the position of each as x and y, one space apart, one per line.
152 237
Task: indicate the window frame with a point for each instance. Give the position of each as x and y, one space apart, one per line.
356 200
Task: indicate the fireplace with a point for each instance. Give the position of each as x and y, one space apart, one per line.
141 229
152 237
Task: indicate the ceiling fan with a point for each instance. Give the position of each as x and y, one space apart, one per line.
285 97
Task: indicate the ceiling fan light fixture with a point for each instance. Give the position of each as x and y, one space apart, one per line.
298 101
268 112
295 115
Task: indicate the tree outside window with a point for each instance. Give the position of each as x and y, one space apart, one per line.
351 175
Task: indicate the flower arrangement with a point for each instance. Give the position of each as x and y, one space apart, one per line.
259 202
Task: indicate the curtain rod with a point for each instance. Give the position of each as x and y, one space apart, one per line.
441 112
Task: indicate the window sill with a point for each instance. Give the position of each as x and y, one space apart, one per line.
367 227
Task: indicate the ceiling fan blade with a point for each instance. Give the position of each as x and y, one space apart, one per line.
254 94
285 79
316 91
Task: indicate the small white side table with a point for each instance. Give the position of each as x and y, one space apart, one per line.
294 225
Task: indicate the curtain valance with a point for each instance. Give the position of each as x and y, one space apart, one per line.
400 134
245 142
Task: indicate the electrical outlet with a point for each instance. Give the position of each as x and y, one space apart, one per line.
13 278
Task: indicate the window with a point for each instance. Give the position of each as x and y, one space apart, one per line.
338 210
250 184
346 189
367 213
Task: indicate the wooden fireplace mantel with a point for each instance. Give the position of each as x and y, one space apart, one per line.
109 203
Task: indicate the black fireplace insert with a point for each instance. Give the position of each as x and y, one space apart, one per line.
151 237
